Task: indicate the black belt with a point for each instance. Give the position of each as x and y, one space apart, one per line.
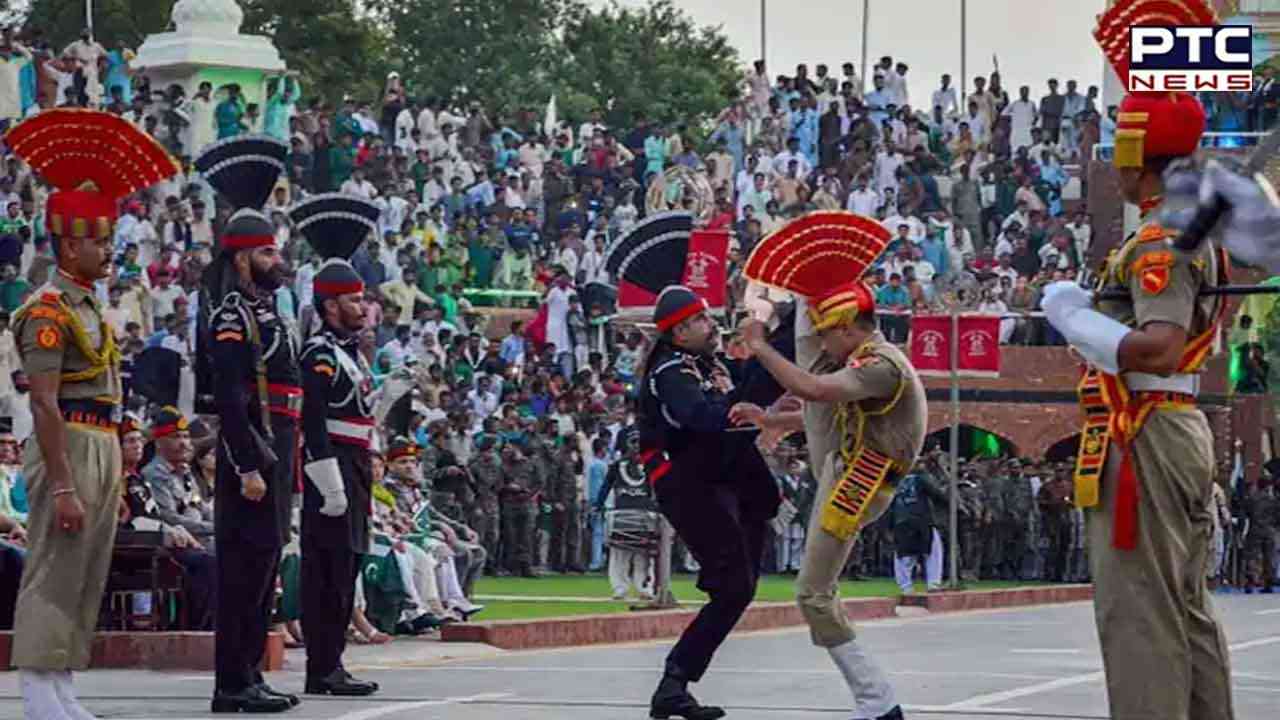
93 413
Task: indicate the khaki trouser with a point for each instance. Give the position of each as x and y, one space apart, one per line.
65 574
1162 647
818 585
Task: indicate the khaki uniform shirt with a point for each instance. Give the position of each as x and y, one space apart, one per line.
47 328
1162 282
877 376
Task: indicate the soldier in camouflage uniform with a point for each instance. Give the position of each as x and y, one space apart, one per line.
1262 509
1055 509
520 489
971 512
566 509
486 476
1019 509
993 482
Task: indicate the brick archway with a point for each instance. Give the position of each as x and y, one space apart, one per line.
1064 449
1031 427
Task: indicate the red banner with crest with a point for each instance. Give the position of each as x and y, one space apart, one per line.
705 272
979 345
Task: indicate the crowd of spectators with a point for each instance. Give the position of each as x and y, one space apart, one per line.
495 207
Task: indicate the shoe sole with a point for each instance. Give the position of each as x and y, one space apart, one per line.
231 708
342 694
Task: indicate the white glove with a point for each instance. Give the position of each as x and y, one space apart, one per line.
327 478
1097 337
1064 297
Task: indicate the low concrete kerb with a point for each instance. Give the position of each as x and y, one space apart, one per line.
195 650
639 626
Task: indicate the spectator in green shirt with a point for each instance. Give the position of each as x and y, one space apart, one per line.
229 114
13 222
13 289
447 304
894 298
342 161
421 171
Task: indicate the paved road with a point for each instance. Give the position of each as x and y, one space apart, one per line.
1032 662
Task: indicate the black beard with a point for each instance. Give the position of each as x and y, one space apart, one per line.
269 279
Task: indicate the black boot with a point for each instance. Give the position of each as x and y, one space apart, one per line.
340 683
894 714
249 700
672 699
268 690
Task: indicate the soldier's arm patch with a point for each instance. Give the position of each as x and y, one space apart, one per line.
1153 270
229 336
49 337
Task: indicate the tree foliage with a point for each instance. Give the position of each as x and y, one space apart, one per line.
653 63
514 54
503 53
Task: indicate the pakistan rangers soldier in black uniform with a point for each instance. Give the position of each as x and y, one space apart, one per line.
338 431
248 363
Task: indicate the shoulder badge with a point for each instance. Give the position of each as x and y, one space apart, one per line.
1153 270
228 323
49 337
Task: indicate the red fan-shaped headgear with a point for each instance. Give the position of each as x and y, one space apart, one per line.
823 257
93 159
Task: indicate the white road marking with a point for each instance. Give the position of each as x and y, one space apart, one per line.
1272 611
392 709
1254 688
1045 651
981 701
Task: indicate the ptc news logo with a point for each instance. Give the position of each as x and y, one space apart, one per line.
1203 58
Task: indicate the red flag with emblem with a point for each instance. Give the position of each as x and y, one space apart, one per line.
979 345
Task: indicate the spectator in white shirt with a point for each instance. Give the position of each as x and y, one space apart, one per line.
405 125
592 263
977 121
924 270
783 160
862 199
483 400
945 97
358 185
757 198
164 294
887 162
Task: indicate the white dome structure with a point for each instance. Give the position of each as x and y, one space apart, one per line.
206 33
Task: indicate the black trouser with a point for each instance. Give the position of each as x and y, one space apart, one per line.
12 560
246 583
328 595
728 544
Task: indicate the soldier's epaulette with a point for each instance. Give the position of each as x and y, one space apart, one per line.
1153 232
45 303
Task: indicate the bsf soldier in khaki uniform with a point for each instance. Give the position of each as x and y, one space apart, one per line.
864 418
1145 468
73 467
